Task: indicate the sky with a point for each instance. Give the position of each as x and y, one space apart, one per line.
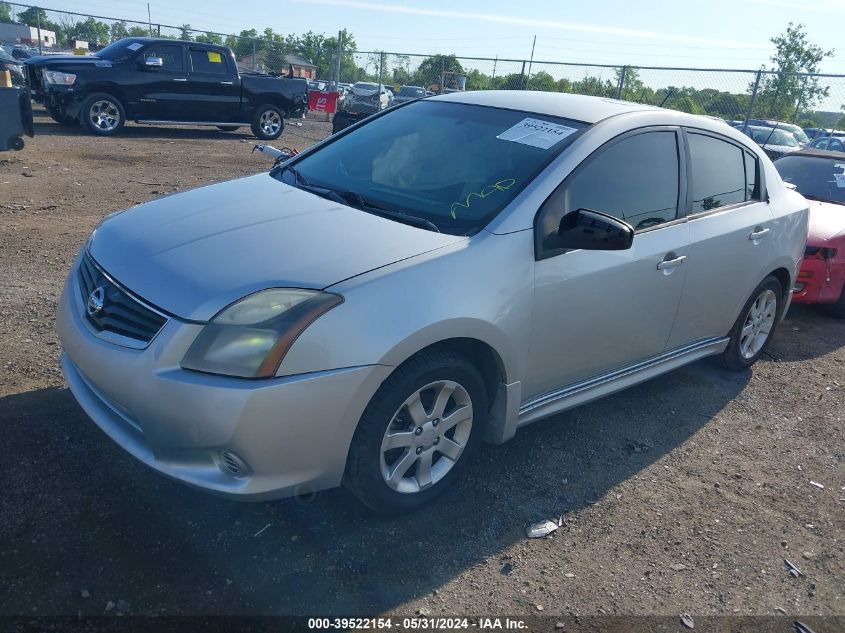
702 34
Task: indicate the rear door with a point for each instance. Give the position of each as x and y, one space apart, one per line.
214 85
597 311
730 236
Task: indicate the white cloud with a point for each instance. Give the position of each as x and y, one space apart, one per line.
532 22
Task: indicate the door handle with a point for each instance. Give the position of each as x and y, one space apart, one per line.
183 79
227 83
758 233
671 263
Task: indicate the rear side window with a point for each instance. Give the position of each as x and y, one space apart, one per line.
170 54
718 173
207 61
635 179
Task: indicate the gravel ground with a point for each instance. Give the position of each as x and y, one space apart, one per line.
684 494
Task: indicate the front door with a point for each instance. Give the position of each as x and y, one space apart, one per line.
160 90
596 311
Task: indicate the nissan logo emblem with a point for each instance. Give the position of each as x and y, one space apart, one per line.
95 300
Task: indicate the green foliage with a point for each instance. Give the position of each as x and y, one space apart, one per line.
185 32
782 96
91 31
6 13
542 81
210 38
138 31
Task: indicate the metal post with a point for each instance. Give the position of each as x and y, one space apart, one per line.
621 83
339 54
753 99
150 21
38 25
442 74
493 79
522 76
380 73
800 99
253 55
531 63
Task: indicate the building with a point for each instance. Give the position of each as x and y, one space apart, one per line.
264 62
22 34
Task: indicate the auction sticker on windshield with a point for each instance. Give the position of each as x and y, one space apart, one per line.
536 133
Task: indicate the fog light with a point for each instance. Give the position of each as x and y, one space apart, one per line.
798 287
231 464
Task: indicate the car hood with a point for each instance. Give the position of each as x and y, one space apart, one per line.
365 92
827 221
65 61
194 253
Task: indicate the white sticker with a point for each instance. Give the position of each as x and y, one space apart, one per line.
536 133
134 46
840 178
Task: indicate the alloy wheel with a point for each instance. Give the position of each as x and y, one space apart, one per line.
270 122
426 436
758 324
104 115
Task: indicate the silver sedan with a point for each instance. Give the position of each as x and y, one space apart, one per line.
441 274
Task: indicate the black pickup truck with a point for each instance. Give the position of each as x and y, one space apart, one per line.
151 80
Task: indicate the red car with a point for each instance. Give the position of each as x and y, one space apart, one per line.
819 175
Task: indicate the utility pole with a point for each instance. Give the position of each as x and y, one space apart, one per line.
339 55
149 19
530 63
38 24
495 63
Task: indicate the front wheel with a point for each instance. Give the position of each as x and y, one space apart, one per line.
417 433
103 114
268 123
753 330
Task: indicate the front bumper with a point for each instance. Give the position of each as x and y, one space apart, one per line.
291 435
819 281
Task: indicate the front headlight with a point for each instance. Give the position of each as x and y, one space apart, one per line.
55 77
249 338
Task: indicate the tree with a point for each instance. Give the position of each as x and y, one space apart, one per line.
6 13
118 31
33 16
428 72
90 30
781 96
185 32
138 31
542 81
210 38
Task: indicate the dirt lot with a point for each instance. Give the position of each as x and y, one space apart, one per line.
684 494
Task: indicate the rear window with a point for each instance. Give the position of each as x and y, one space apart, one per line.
718 172
209 61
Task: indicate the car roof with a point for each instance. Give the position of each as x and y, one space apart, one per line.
819 153
569 106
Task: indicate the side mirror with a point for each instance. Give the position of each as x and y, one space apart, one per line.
590 230
153 62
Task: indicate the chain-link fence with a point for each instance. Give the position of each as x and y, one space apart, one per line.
811 101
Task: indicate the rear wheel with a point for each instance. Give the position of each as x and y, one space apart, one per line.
103 114
417 433
753 330
268 123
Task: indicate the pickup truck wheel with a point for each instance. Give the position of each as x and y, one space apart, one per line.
228 128
268 123
102 114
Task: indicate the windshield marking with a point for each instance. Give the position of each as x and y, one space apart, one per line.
502 185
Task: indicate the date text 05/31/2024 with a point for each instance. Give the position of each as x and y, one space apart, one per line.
416 623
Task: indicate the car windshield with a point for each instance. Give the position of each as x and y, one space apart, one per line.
798 133
773 136
451 165
365 86
121 50
816 177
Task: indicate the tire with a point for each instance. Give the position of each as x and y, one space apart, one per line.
745 347
102 114
61 118
423 380
228 128
269 122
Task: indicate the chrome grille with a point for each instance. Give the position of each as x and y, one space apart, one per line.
121 313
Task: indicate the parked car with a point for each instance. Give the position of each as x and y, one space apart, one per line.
832 143
448 271
21 53
367 97
409 93
152 80
775 142
7 62
820 177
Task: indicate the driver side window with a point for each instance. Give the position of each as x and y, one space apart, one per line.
635 179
